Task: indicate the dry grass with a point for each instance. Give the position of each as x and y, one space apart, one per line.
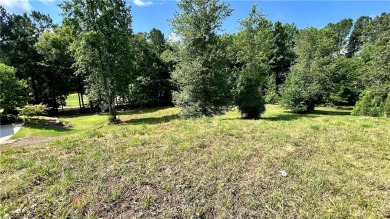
157 165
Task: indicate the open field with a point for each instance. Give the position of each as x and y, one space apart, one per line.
155 165
73 100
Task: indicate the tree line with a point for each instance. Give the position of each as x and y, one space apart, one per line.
205 72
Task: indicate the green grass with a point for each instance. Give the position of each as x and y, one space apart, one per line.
155 165
80 123
73 100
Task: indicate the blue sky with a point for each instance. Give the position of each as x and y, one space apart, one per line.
148 14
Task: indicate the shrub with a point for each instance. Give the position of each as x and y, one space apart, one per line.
368 105
33 110
249 99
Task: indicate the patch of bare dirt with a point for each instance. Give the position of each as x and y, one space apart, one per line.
22 142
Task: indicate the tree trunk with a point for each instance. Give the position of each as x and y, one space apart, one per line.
111 108
78 95
80 92
90 107
55 103
82 100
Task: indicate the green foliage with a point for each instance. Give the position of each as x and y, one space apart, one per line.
375 56
201 71
33 110
152 86
253 45
249 99
283 54
13 91
272 96
387 106
356 39
102 48
56 66
19 33
304 85
368 105
298 94
344 83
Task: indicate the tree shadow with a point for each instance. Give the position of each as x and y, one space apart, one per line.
331 113
288 117
294 116
151 120
350 108
143 110
48 127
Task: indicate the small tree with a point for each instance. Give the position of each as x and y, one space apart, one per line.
249 99
295 96
254 45
362 107
369 105
307 83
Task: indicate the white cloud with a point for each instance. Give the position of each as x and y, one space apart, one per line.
141 2
16 6
21 6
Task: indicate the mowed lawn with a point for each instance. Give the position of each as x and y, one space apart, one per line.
156 165
78 124
73 100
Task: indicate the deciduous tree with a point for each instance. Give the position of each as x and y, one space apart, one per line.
103 46
201 72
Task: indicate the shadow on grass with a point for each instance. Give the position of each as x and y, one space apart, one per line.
48 127
143 111
288 117
151 120
330 113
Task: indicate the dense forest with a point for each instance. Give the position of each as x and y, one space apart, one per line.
205 72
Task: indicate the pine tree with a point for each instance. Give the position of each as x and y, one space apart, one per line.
201 71
254 45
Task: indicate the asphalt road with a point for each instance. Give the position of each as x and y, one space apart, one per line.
6 131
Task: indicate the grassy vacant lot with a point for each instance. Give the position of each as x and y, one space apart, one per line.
73 100
156 165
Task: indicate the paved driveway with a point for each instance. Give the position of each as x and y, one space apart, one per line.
6 131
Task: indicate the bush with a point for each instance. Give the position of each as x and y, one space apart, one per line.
33 110
387 106
368 105
8 119
249 99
